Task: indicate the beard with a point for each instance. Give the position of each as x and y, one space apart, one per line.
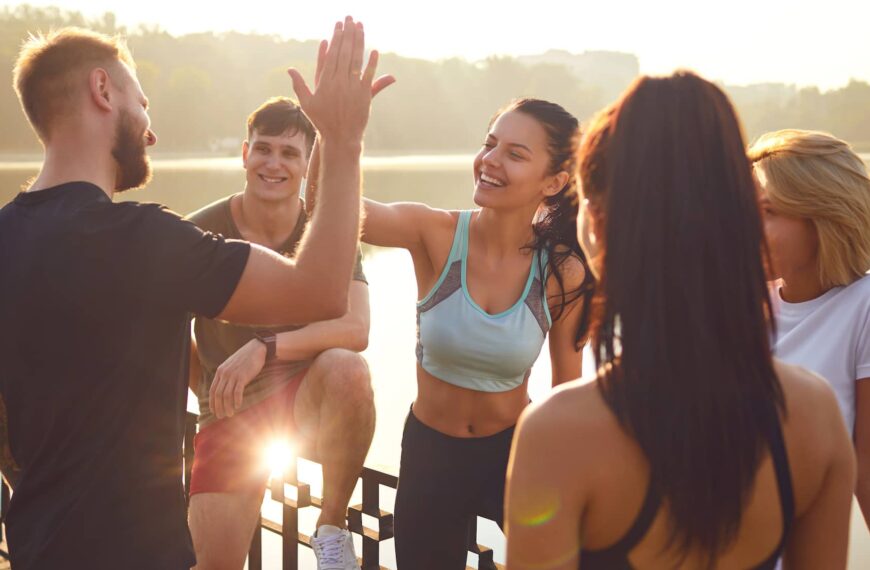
134 167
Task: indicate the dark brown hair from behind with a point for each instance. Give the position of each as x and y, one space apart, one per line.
592 162
682 315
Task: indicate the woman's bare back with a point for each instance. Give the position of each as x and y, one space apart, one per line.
585 450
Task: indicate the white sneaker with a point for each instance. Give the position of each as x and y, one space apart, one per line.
333 548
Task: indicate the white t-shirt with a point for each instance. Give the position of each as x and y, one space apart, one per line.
829 335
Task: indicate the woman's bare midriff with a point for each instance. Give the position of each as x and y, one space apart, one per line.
460 412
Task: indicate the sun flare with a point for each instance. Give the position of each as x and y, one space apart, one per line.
278 456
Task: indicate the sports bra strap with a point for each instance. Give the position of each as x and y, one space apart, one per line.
459 249
648 511
783 478
616 556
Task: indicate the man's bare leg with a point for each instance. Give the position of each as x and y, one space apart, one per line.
335 408
222 525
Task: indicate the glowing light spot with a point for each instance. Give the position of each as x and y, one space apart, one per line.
279 454
537 510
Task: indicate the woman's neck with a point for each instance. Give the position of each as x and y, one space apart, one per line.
501 233
801 287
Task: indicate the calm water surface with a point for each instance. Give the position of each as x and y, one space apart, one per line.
441 181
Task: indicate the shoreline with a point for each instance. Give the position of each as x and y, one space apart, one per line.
221 162
27 160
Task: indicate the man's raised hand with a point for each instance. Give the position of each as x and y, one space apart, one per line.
340 104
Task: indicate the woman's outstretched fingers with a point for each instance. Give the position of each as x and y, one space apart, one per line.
382 83
348 39
371 68
321 61
303 93
332 50
339 105
356 60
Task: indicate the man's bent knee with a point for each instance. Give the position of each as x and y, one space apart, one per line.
345 374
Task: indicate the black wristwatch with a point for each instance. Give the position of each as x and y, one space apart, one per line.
269 339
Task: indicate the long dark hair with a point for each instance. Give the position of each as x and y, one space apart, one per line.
682 314
555 230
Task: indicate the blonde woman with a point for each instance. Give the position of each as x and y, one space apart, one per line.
815 198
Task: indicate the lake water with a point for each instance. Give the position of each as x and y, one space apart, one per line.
441 181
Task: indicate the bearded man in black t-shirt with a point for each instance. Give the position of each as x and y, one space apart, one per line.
95 298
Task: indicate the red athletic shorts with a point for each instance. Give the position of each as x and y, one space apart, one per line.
230 453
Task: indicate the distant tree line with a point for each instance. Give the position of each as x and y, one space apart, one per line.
202 87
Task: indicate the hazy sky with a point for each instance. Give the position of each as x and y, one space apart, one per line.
739 41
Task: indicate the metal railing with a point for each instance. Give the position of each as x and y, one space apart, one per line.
288 528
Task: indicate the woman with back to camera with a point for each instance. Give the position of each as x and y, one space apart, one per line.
691 447
493 284
815 198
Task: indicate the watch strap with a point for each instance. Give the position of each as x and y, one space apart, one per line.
270 340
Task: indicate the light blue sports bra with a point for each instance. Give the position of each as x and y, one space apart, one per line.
460 343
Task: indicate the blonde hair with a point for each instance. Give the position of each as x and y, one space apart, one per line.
47 73
817 176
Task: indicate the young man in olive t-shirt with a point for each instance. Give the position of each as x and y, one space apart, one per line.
257 385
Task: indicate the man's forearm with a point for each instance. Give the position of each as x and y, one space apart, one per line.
328 249
312 178
350 332
306 343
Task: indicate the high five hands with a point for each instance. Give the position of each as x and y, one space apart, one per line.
340 104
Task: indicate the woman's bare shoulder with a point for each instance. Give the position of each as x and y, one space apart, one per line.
806 393
572 269
575 413
817 440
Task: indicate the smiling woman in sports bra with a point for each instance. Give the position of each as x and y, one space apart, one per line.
493 284
691 448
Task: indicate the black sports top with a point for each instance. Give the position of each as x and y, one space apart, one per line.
616 557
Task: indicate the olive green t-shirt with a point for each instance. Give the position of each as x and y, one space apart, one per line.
218 340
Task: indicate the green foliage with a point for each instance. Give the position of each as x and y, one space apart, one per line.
203 86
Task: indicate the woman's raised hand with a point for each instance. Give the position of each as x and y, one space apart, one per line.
378 85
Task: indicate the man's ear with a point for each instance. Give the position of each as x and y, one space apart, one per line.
557 182
99 88
245 148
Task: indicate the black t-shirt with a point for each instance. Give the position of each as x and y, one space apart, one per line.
94 346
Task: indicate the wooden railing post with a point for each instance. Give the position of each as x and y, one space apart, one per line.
371 506
255 551
484 554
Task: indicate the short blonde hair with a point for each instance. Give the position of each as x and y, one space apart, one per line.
817 176
47 71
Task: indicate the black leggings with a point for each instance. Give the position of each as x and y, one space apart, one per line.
444 481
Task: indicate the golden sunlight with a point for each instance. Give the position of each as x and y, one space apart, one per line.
278 456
